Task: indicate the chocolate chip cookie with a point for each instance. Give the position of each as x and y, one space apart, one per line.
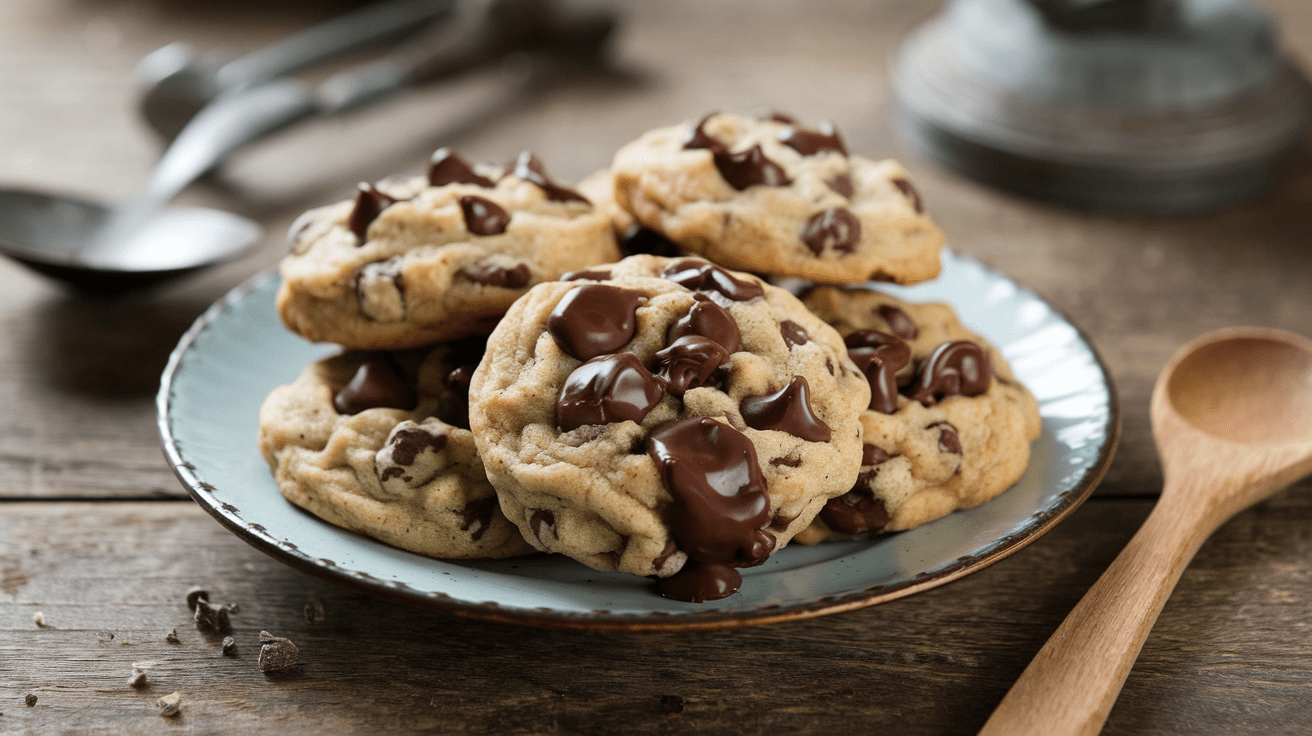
666 417
378 443
414 261
772 196
948 425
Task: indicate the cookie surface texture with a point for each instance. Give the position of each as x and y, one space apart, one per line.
408 263
660 414
779 199
373 442
949 426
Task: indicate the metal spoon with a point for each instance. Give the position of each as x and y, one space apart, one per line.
176 83
1232 416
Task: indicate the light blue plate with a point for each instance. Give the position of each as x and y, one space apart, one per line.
238 351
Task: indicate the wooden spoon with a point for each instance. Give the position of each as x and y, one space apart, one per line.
1232 417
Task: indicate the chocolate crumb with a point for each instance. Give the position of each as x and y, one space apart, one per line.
39 619
194 594
212 618
138 678
172 637
30 700
313 611
229 646
170 704
671 704
276 653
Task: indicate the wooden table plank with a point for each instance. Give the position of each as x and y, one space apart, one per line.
934 663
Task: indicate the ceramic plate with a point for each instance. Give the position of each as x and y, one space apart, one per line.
238 351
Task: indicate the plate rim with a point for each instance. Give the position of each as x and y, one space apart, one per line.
254 534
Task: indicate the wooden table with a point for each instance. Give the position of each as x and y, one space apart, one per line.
98 536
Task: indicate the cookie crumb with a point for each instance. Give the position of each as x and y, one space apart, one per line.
39 619
314 611
211 618
30 700
194 594
138 678
170 704
172 637
229 646
277 653
671 704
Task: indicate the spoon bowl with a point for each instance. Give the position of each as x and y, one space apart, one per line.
1232 419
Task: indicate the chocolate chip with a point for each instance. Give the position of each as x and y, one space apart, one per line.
476 516
594 320
710 320
530 169
407 444
786 410
483 216
692 361
824 139
369 203
446 167
30 699
375 384
750 168
586 275
720 501
873 455
855 512
842 184
959 368
899 322
879 356
948 439
277 653
228 647
453 404
699 138
793 333
490 274
835 228
639 240
702 276
610 388
398 458
910 193
211 618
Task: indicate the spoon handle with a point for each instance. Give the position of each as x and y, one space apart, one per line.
1073 682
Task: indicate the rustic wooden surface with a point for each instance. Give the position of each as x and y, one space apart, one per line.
97 535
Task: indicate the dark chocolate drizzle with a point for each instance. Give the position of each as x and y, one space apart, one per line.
787 410
490 274
606 389
824 139
702 276
530 169
375 385
835 228
959 368
369 203
446 167
710 320
692 361
594 319
880 356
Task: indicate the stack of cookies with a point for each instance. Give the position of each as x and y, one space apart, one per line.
512 382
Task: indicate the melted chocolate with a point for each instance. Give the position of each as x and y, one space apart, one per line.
703 276
699 138
948 439
476 516
787 410
824 139
369 203
959 368
611 388
374 385
873 455
698 582
407 444
594 320
585 275
721 505
880 356
639 240
446 167
835 228
855 512
750 168
530 169
490 274
483 216
899 322
842 184
710 320
910 193
453 404
692 361
793 334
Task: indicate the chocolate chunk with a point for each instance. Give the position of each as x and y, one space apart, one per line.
698 582
276 653
692 361
873 455
699 138
594 320
453 404
824 139
587 275
710 320
229 646
530 169
835 228
793 333
490 274
720 498
369 203
407 443
899 322
948 439
446 167
855 512
476 516
611 388
959 368
211 618
910 193
787 410
880 356
749 168
703 276
375 384
639 240
30 699
842 184
483 216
